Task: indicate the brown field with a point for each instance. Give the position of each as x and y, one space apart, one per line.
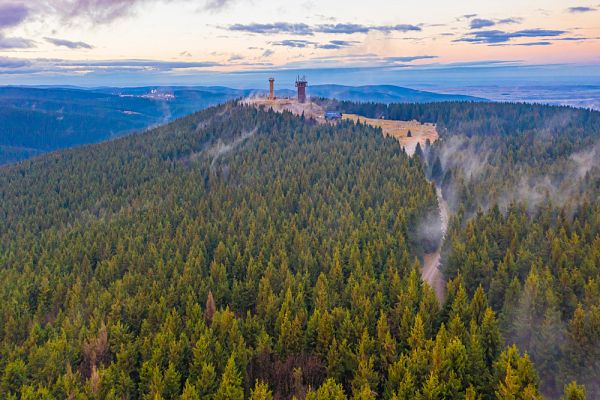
399 130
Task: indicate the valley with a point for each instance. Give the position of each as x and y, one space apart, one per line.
431 270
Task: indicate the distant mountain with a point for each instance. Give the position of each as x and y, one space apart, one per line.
384 94
37 120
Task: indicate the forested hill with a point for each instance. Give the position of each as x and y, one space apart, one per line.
499 153
37 120
524 182
236 253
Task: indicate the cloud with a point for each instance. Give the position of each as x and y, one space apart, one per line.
268 53
409 58
15 43
306 30
358 28
576 39
95 11
579 10
57 66
512 20
299 44
274 28
398 28
140 64
337 44
342 28
479 23
236 57
98 11
68 43
533 44
12 14
10 63
497 36
217 5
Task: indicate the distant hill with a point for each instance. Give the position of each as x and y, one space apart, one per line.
37 120
384 94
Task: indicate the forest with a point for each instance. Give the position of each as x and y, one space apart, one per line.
38 120
524 183
242 253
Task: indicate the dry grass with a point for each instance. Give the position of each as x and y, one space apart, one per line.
399 130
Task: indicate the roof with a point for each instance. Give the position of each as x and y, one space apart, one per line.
333 114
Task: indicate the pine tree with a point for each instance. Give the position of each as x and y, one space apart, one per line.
436 170
365 393
189 392
329 390
261 392
230 387
573 391
419 151
431 389
13 377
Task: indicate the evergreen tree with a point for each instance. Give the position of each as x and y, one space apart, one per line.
230 386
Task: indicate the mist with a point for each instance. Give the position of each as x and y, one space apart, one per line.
219 149
472 161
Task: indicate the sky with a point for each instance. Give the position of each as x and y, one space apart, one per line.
240 42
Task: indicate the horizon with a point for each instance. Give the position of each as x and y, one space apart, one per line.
237 43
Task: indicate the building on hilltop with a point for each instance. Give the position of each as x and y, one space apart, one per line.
301 84
333 115
271 88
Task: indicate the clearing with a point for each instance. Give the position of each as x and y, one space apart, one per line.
399 130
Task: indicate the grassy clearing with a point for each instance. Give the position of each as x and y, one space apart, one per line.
399 130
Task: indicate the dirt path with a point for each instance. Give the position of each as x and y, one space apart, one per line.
431 263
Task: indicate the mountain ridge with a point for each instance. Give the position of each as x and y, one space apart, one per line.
35 119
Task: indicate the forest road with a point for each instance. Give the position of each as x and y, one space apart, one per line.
431 261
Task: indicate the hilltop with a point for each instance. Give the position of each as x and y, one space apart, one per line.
37 120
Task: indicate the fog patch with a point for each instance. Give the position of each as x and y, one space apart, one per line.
468 162
429 232
460 153
561 188
220 148
585 161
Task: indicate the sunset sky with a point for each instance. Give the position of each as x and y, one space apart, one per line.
91 42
